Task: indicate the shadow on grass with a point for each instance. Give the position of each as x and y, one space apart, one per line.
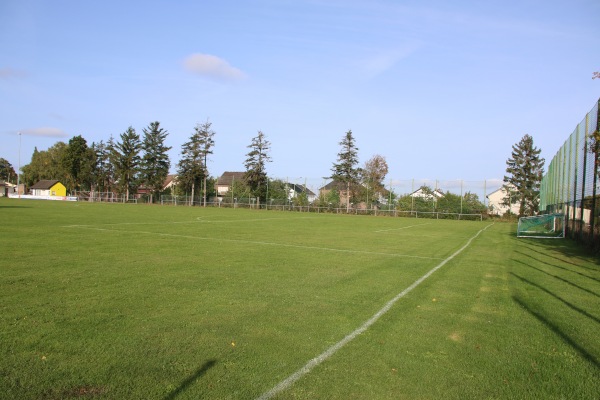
567 247
556 329
190 380
571 306
1 206
558 277
558 266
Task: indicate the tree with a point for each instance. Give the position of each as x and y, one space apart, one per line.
278 191
524 175
155 162
77 161
46 164
126 155
102 176
256 175
7 172
373 174
111 169
594 148
190 167
206 143
345 169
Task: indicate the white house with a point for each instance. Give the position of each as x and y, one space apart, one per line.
427 194
495 200
7 188
296 189
170 182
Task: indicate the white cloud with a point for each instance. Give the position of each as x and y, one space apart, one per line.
45 132
212 67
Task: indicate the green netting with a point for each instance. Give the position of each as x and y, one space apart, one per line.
542 226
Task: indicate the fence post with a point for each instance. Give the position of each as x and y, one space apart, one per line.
584 168
574 222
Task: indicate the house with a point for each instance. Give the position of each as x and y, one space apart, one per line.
340 187
226 181
7 188
170 182
426 193
495 203
49 188
295 190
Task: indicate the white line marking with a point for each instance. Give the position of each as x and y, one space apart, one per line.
404 227
195 221
251 242
290 380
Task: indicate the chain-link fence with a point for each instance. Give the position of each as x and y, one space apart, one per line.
571 185
420 198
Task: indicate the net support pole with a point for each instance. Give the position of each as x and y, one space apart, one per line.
576 164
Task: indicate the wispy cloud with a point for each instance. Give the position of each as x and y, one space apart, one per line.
45 132
380 63
212 67
9 73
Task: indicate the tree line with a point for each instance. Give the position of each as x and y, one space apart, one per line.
132 161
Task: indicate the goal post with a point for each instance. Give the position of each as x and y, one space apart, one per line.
542 226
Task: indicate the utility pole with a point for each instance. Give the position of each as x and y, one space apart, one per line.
19 170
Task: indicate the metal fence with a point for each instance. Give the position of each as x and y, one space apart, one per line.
397 201
571 185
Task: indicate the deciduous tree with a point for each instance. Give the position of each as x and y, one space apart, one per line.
7 172
45 164
78 162
373 175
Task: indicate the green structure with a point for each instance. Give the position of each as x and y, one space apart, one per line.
570 186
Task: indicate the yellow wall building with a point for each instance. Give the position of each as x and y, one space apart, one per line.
49 188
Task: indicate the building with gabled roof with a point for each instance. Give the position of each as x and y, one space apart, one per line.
48 187
296 189
226 181
496 203
427 193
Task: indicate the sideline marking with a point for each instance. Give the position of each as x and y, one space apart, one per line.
194 221
297 246
290 380
404 227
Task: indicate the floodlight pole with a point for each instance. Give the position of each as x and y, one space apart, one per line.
19 169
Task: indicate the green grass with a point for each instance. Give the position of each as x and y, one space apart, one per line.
116 301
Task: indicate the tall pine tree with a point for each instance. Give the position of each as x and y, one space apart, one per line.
101 178
256 159
126 153
190 171
155 162
524 175
345 169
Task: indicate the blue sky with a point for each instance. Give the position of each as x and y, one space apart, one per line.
441 89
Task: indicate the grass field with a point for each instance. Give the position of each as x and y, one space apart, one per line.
113 301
